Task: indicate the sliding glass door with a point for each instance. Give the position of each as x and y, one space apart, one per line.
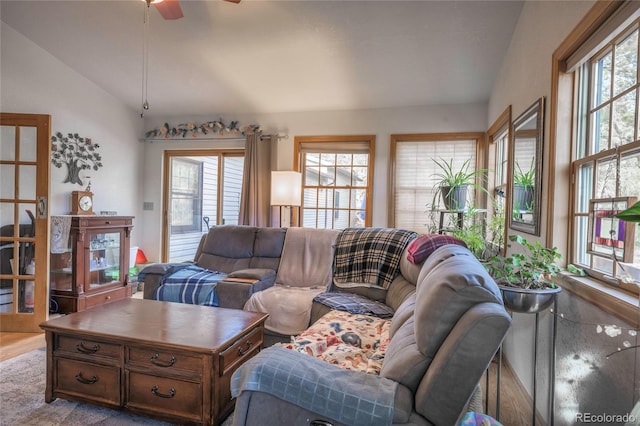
202 189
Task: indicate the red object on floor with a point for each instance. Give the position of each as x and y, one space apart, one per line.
140 257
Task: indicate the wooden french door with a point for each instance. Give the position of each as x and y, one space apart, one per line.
24 220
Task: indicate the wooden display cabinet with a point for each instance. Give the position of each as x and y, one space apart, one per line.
94 267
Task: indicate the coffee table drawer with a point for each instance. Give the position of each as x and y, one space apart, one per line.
241 350
87 380
165 395
87 347
165 360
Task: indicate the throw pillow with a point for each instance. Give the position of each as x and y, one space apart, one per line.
422 247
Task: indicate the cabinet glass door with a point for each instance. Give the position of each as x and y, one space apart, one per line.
104 260
61 257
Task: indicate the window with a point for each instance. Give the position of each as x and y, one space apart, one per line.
412 179
337 180
606 156
498 172
202 189
186 195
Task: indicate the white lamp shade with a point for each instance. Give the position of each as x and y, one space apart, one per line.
286 188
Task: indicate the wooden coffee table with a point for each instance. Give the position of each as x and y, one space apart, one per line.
170 361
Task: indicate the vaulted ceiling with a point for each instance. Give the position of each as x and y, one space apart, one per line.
278 56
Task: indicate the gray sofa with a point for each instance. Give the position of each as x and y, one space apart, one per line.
443 335
448 323
245 253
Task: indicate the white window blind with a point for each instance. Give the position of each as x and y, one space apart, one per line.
414 180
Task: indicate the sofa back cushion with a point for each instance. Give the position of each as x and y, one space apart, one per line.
403 362
455 283
227 248
267 248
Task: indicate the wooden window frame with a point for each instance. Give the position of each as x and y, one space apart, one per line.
614 301
500 126
369 140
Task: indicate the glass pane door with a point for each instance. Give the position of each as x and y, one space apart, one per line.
203 190
24 162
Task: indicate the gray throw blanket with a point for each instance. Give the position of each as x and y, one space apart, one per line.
349 397
304 272
369 256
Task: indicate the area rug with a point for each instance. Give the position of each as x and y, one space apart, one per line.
22 384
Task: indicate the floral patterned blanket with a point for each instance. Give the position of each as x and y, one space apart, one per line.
350 341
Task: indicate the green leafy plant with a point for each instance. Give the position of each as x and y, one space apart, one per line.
524 178
632 214
495 227
530 269
472 233
451 178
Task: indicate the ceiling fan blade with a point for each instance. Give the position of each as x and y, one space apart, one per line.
233 1
169 9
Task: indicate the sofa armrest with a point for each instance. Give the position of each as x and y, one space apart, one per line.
260 274
152 275
234 290
348 397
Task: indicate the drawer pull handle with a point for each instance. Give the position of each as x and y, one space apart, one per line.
172 392
154 361
85 350
249 345
90 381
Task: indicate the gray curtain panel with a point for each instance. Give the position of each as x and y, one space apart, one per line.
255 207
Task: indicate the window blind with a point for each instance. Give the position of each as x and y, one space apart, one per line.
415 180
335 147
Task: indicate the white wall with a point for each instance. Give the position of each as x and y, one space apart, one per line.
585 380
379 122
33 81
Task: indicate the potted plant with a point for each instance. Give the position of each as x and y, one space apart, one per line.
524 277
523 183
453 184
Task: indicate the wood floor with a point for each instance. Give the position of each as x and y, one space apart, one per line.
14 344
515 402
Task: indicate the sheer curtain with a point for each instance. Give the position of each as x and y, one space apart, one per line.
255 208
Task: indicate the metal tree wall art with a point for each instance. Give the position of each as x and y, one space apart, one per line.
77 153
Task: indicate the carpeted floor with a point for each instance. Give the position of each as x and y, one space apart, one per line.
22 387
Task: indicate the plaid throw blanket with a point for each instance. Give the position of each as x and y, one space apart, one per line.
369 256
190 284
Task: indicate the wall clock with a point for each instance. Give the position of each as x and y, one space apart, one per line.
81 202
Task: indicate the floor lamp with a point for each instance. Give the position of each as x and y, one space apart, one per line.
286 192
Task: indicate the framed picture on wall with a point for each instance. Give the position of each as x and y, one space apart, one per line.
608 235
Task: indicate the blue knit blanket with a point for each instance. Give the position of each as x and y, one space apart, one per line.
349 397
189 284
